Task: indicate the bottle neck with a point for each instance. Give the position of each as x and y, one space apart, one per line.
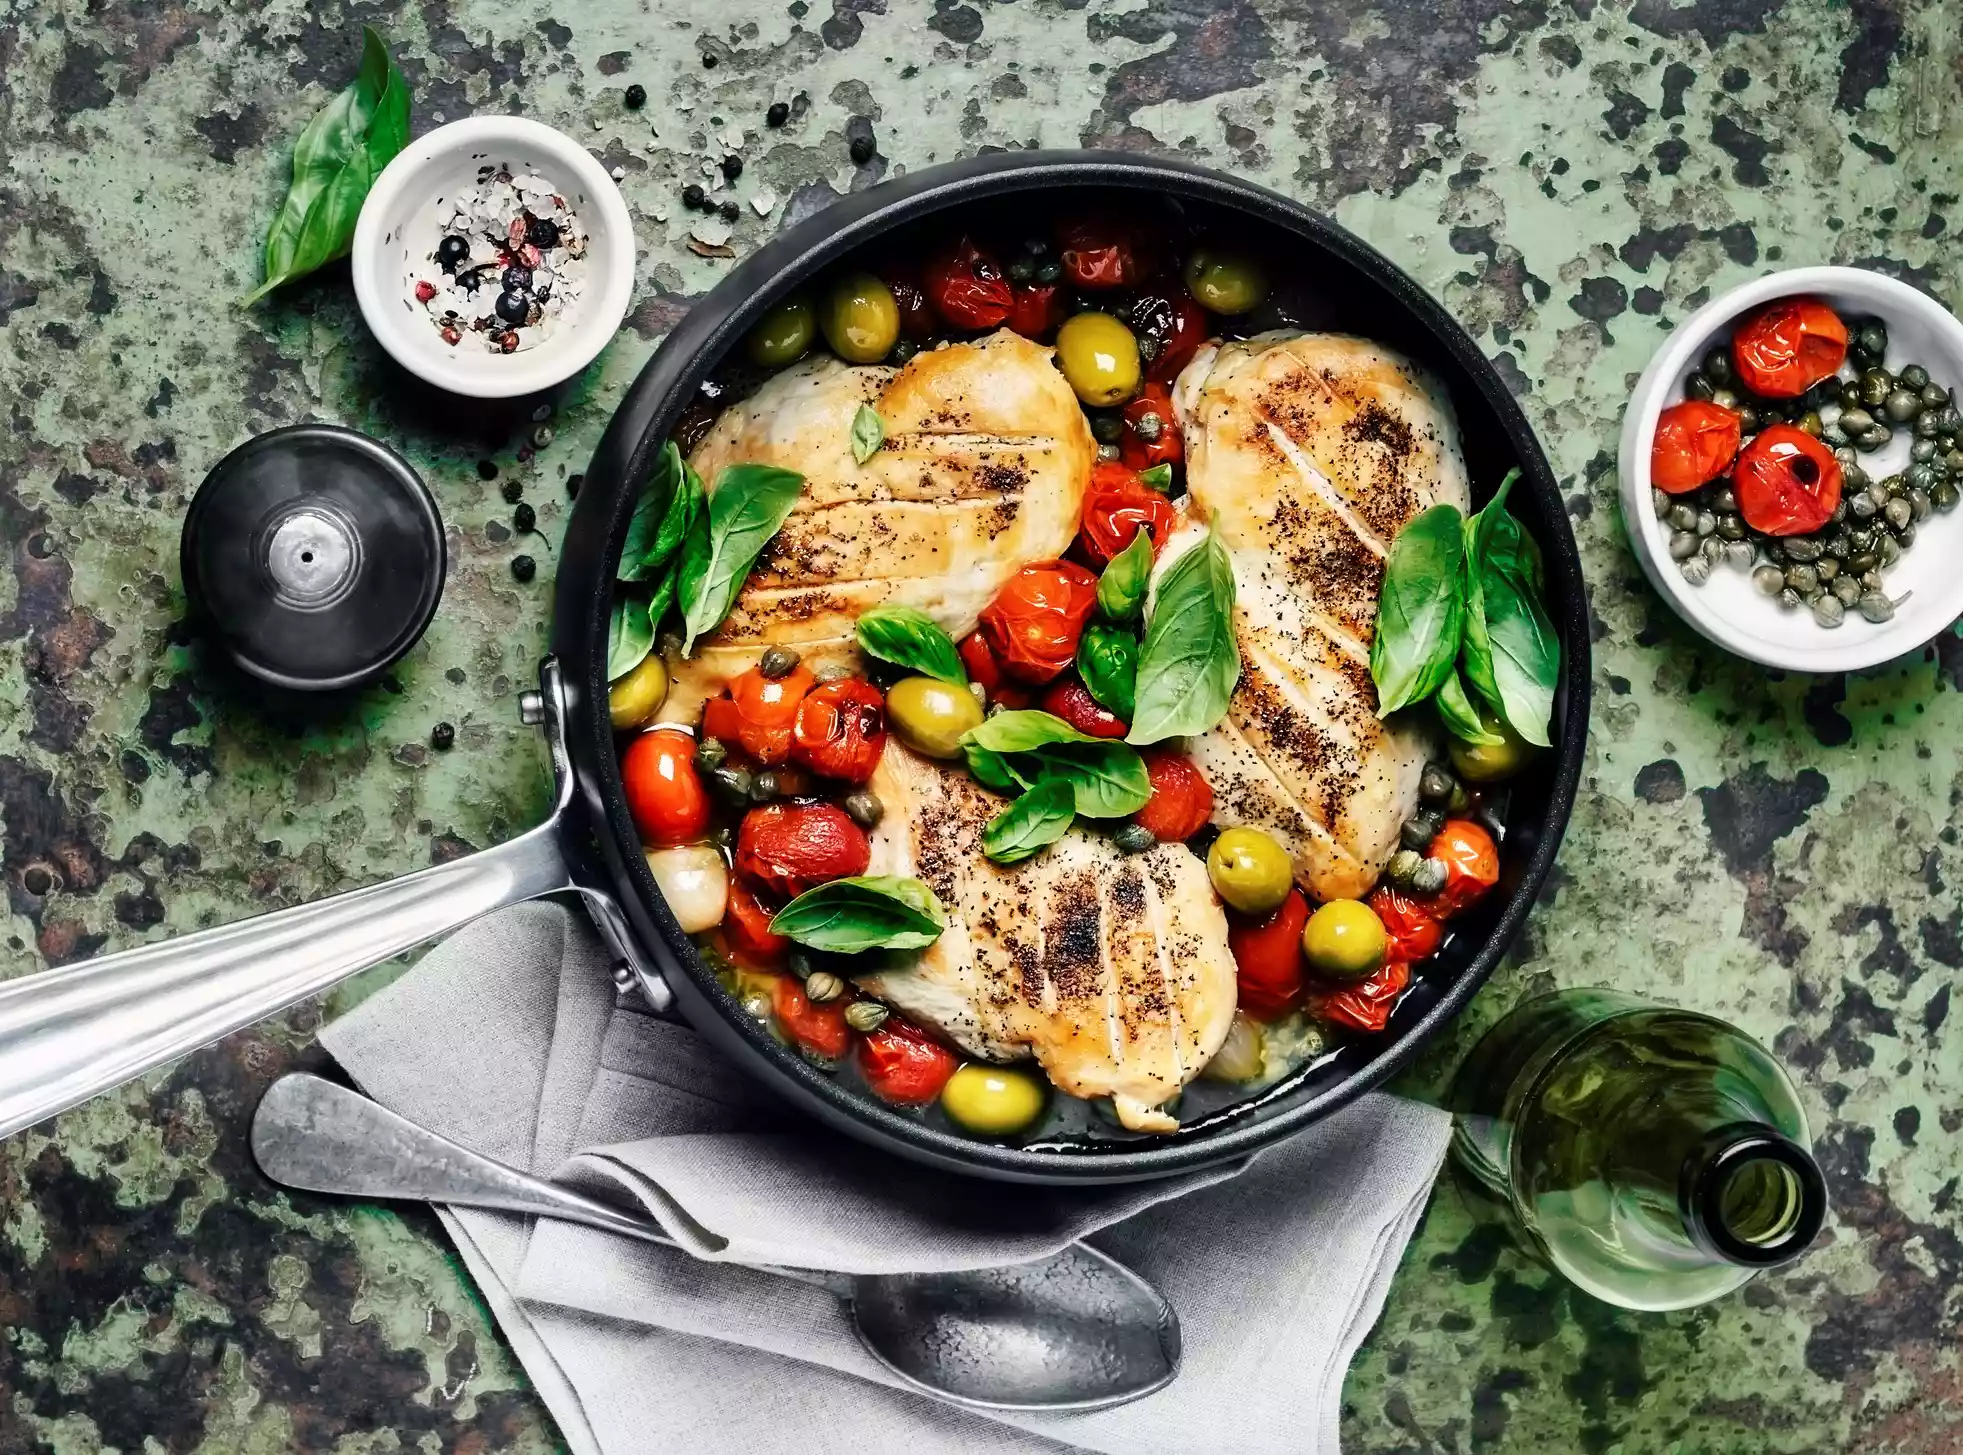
1751 1195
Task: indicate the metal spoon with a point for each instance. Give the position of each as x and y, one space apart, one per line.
1077 1331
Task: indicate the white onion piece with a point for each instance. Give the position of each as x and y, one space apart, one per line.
695 883
1240 1056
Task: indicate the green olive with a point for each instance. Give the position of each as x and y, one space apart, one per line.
1344 940
930 715
992 1101
860 319
1250 870
632 700
783 334
1223 282
1490 762
1099 358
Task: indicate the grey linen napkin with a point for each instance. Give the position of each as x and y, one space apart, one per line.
510 1039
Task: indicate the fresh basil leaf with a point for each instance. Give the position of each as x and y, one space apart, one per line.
335 161
874 912
1121 589
662 602
1476 644
1107 660
1108 778
993 770
630 634
1460 717
662 518
1021 730
1420 610
1159 477
1512 656
908 637
868 433
1190 661
1033 822
748 506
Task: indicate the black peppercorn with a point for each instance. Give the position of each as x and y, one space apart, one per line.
708 61
514 491
729 211
487 470
542 232
636 97
573 482
524 520
524 567
861 150
452 251
778 114
518 278
443 737
732 166
513 307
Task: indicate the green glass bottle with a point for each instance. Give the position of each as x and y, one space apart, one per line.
1656 1157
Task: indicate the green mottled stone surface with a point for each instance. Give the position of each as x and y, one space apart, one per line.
1569 178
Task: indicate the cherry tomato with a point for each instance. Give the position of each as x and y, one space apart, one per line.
1102 251
787 848
1696 441
903 1064
841 729
1033 623
967 286
1787 482
819 1027
1411 923
1151 434
1181 801
983 668
746 929
917 320
1035 309
1789 346
1070 700
666 797
1365 1006
760 713
1115 506
1472 865
1268 957
1170 327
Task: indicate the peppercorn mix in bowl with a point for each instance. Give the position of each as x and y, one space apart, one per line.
1791 462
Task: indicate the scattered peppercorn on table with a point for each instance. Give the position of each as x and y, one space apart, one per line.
1777 851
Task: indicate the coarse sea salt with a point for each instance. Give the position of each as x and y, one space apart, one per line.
509 265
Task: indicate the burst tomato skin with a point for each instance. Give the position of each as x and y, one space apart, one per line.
1116 505
1166 318
787 848
746 929
903 1064
1411 924
1035 620
760 713
664 794
841 729
916 318
1787 482
1099 252
1472 865
1181 801
1787 347
967 286
1071 700
1695 442
818 1027
1268 957
1035 309
1163 448
984 669
1365 1006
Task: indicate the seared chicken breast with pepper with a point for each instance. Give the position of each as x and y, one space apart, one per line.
983 469
1112 971
1308 453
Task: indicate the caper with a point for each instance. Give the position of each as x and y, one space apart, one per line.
800 963
1697 570
1833 434
864 809
860 319
1919 504
1419 830
1717 365
1683 517
1856 421
1790 600
1849 393
1802 548
1928 425
782 335
1223 282
1750 420
1901 405
1099 358
1889 552
1133 838
1877 608
1854 477
1933 396
823 986
1710 547
1431 877
1897 513
778 662
1829 612
1828 568
831 672
710 754
1953 462
1945 496
1661 504
1906 535
764 786
1698 386
757 1006
1839 510
1876 438
1683 545
1875 384
733 784
1403 868
1435 785
866 1015
1913 376
1846 590
905 349
1870 580
1802 579
1725 399
1738 554
1107 429
1837 544
1922 452
1705 522
1770 580
1809 423
1724 500
1107 453
1731 527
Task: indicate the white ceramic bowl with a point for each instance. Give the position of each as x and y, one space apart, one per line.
1727 608
401 222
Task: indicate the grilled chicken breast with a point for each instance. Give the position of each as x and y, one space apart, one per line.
983 470
1308 453
1112 971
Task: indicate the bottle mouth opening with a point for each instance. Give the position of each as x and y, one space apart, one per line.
1754 1197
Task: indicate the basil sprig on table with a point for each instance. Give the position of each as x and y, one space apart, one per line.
1018 752
1190 660
747 508
335 162
908 637
871 912
1460 621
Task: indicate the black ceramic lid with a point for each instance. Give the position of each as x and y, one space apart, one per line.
314 556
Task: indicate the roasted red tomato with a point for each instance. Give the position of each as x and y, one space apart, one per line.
1151 434
983 668
1789 346
760 713
1412 924
1103 251
841 729
917 320
1181 801
1115 506
1696 441
666 797
1170 328
1472 865
967 286
1365 1006
746 930
1035 309
787 848
1035 620
1070 700
818 1027
903 1064
1268 957
1787 482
